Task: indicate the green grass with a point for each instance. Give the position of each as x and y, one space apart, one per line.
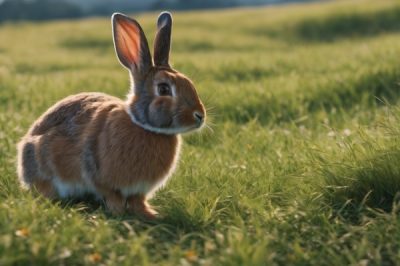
302 166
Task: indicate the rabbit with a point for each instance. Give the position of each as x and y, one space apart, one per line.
119 151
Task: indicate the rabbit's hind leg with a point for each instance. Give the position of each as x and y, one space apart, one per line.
138 205
46 188
29 173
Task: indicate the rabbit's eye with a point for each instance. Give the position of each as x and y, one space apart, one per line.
164 89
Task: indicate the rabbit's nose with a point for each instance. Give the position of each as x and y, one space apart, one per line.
198 116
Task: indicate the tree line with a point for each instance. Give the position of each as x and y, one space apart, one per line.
61 9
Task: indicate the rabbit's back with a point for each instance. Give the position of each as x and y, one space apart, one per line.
88 141
70 114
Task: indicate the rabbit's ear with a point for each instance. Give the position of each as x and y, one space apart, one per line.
162 43
131 45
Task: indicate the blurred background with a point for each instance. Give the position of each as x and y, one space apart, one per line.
59 9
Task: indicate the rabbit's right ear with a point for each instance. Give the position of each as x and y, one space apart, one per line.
162 43
131 45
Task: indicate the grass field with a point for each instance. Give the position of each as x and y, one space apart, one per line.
302 166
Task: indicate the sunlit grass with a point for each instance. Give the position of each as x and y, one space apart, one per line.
300 165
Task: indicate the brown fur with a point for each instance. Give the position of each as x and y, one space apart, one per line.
46 188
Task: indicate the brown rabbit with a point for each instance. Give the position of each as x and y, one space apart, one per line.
120 151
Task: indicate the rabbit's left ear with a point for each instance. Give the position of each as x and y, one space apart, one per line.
131 45
162 43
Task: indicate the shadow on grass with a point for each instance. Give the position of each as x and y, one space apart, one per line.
371 89
26 68
340 26
349 25
237 73
371 183
87 43
177 223
193 46
173 214
366 179
87 203
368 90
174 225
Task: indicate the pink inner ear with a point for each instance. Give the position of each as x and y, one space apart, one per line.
128 40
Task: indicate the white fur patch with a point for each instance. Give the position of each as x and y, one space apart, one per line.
72 189
141 188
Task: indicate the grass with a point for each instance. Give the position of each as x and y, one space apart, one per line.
302 166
